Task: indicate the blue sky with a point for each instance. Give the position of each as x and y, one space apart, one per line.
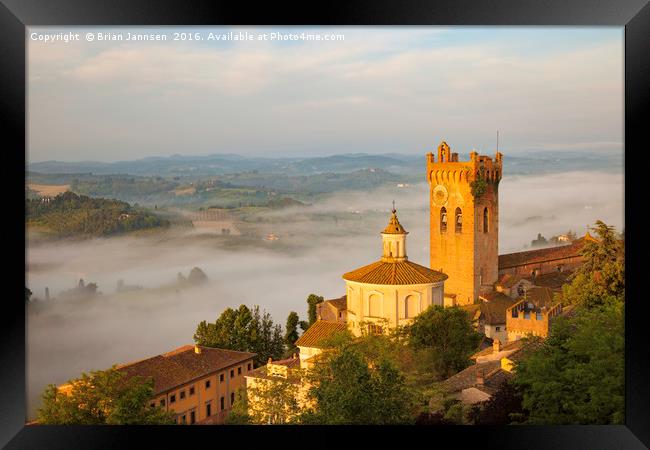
380 90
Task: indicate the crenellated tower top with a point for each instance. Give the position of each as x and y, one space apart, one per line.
448 168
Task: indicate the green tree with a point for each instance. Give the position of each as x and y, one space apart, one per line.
312 301
268 402
238 414
291 332
103 397
601 278
447 335
245 330
577 375
502 408
349 389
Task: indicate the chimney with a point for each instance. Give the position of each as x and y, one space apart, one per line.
480 377
496 345
197 349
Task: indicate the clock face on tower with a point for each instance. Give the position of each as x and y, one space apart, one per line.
439 195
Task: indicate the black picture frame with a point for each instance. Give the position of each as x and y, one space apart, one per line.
15 15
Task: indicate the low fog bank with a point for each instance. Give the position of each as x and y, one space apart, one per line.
316 245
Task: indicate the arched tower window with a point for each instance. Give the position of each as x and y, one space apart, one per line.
485 220
459 220
443 220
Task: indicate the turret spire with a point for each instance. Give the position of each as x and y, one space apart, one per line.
394 239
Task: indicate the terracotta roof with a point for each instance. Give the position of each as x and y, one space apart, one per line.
183 365
494 309
399 272
539 296
553 280
494 380
471 309
508 346
544 254
340 303
467 378
289 362
319 331
508 280
394 227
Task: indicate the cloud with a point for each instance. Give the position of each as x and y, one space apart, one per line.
379 90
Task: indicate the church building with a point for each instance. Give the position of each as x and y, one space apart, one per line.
393 290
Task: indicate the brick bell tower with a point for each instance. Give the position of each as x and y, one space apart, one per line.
464 214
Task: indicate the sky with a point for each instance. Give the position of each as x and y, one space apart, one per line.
379 90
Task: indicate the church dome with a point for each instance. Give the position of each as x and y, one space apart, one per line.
395 273
394 227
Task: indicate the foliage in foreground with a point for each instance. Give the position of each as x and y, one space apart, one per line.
601 278
347 388
450 336
103 397
578 374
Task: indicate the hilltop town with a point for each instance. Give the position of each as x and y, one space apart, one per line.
459 338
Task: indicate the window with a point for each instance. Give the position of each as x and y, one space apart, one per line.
162 402
232 373
538 316
183 419
526 314
207 384
374 329
182 395
222 403
192 390
411 306
153 405
172 398
249 367
485 220
239 370
374 305
515 314
459 220
498 328
208 410
220 377
443 220
232 398
192 417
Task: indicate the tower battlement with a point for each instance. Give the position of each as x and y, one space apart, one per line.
464 220
447 168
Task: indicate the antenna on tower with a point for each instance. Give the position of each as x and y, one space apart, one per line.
497 140
394 211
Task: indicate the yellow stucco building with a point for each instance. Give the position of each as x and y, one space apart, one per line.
393 290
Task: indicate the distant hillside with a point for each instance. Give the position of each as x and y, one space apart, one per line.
196 167
69 214
200 166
